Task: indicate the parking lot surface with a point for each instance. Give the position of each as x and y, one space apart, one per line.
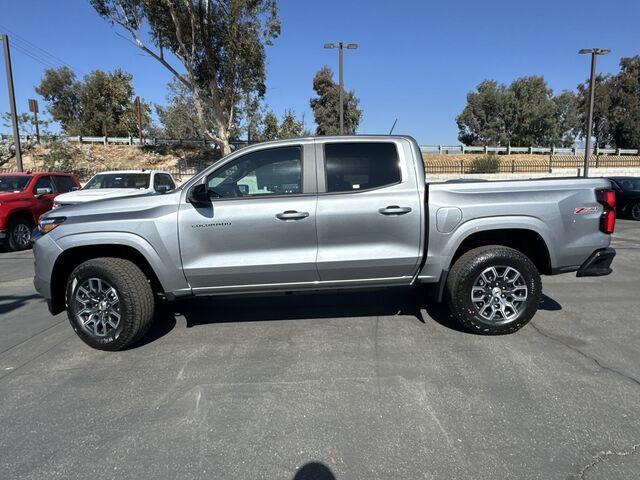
348 385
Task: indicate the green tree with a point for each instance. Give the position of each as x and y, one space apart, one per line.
523 113
177 118
601 110
624 115
102 103
326 106
482 121
220 45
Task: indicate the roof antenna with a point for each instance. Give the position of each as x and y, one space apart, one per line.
393 126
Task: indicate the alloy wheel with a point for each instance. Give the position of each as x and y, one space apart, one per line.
98 307
499 294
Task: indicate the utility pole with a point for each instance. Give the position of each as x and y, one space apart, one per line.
33 108
341 46
139 118
12 100
592 87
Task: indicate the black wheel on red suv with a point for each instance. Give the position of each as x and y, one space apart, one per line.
19 234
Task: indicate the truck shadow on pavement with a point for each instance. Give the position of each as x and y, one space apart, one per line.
8 303
304 306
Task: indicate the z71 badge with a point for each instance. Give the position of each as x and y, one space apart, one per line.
585 210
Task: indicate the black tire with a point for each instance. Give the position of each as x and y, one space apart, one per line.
16 231
634 211
466 273
135 306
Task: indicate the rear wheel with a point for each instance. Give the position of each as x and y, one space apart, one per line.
110 303
635 211
494 290
19 234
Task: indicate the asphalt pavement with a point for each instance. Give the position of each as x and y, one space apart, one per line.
344 386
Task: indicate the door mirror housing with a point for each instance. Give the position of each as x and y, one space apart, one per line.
164 188
198 195
43 191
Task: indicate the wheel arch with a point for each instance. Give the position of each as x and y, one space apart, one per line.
70 258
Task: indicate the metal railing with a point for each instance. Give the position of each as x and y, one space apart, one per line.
464 149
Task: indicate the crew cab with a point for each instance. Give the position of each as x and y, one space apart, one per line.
23 198
322 213
119 183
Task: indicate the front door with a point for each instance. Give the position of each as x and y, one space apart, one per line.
369 212
260 228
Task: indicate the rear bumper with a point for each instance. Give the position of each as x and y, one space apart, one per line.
598 263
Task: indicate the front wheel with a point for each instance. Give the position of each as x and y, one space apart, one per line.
20 234
494 290
110 303
635 211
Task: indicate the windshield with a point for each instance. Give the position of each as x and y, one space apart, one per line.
14 184
118 180
628 183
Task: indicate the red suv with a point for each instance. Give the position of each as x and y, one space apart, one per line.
23 198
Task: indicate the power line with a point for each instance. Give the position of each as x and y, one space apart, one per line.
34 57
40 52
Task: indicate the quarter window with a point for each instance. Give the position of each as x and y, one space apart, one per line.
351 167
276 171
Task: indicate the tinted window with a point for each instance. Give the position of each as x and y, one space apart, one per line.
64 184
43 182
163 179
359 166
277 171
13 184
119 180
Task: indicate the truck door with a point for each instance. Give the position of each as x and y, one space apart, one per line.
369 211
260 228
44 193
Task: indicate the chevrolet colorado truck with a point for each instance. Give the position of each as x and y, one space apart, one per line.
23 198
321 213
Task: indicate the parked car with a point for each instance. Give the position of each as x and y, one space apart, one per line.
627 196
121 183
322 213
23 198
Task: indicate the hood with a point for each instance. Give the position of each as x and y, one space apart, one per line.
82 196
7 196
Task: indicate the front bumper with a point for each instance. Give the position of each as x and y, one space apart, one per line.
598 263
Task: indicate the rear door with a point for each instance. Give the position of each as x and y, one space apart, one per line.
369 211
260 229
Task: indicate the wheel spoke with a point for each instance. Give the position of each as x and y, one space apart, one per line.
98 307
499 293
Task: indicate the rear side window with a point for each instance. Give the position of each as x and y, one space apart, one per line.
351 167
64 184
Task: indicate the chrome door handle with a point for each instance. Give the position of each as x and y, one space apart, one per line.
292 215
394 210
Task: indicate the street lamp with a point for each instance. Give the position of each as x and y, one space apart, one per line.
592 84
341 46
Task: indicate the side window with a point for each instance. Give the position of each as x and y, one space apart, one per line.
64 184
43 182
163 179
351 167
276 171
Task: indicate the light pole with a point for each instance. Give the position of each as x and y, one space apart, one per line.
341 46
592 87
12 100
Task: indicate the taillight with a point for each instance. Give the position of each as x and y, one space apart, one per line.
607 198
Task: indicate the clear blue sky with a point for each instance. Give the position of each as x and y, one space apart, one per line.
417 58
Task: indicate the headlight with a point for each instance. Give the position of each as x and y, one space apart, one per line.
45 225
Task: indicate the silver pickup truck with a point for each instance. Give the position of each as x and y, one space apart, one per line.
321 213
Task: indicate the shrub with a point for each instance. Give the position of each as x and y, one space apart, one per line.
59 158
485 164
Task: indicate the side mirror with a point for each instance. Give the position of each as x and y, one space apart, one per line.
74 189
198 195
164 188
244 189
43 191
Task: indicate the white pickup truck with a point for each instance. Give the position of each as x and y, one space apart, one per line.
321 213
